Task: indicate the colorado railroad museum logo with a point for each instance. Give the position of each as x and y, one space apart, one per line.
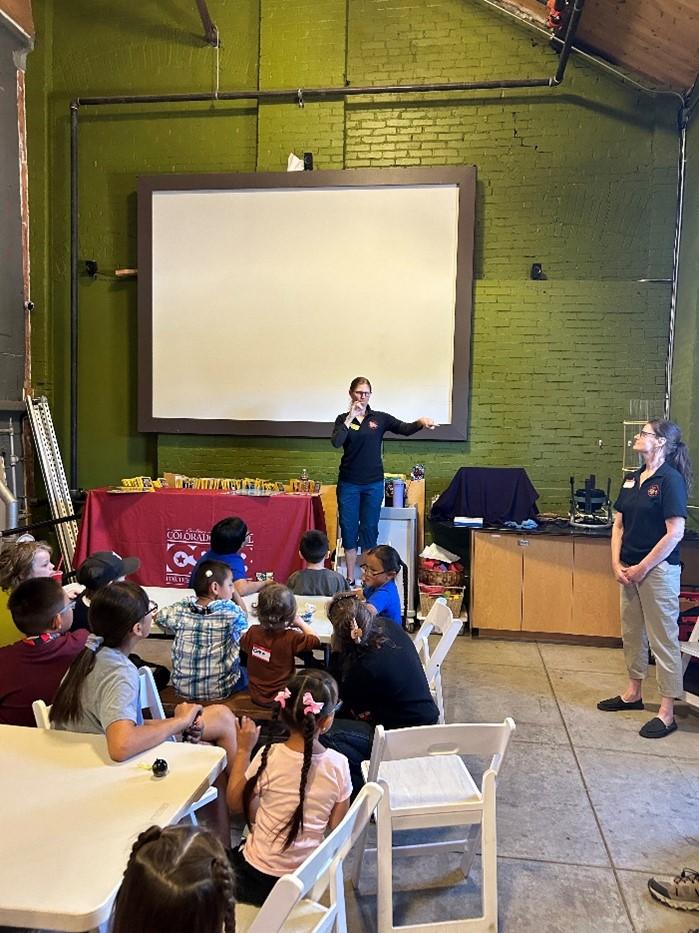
184 547
654 490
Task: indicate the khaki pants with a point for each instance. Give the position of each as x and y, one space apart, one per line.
649 612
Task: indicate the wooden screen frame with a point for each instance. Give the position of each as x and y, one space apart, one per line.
461 177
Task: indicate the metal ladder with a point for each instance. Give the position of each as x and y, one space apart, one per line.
49 455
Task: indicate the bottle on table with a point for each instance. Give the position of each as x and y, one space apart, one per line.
305 481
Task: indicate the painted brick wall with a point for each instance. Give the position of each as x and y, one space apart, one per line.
580 178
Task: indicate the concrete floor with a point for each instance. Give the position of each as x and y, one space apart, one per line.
587 810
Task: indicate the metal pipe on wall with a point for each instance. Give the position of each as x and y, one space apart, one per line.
285 95
74 295
568 41
681 182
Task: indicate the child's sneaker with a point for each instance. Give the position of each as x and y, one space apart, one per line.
682 892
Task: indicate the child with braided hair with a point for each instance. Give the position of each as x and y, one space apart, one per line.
292 792
177 879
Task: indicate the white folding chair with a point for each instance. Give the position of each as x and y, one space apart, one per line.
439 619
294 902
427 784
150 700
41 714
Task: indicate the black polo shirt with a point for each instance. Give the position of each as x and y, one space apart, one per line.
361 461
645 506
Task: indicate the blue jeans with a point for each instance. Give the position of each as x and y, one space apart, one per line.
353 739
359 507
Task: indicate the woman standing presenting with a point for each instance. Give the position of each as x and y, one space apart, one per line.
360 487
648 527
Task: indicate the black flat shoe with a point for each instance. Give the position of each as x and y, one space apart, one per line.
616 705
655 728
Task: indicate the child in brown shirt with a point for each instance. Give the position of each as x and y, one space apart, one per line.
272 644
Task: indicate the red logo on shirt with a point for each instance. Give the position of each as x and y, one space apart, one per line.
654 490
373 425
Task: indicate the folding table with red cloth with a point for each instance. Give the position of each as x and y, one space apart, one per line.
168 530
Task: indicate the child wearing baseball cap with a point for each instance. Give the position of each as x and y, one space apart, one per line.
98 570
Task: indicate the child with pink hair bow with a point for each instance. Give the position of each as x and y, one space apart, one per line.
291 792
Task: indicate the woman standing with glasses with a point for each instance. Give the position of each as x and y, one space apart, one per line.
649 524
360 486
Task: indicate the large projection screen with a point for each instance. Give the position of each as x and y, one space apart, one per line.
262 295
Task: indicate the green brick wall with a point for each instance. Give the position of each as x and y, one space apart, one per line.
580 178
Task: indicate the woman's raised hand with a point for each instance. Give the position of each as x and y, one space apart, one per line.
428 423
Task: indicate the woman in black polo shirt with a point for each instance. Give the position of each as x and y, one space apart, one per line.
381 680
648 527
360 432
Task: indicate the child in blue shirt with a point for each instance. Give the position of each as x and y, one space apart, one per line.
227 539
380 567
207 629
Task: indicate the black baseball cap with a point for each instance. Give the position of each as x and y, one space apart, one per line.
104 567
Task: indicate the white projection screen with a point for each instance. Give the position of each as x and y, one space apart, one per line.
262 295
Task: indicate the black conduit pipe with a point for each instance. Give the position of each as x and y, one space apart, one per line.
73 295
288 95
568 42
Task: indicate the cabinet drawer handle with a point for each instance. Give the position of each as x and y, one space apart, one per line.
523 542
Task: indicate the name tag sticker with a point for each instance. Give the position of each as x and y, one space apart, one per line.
263 654
629 483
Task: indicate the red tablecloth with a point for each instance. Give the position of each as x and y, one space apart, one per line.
168 530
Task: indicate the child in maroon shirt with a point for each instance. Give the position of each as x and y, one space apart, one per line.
272 645
32 668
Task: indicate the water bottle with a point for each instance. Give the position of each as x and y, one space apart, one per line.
305 482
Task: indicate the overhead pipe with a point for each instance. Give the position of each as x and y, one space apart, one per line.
285 95
567 48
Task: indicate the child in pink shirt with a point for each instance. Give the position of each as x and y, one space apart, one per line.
292 792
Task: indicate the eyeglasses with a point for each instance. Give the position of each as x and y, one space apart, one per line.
646 434
372 573
69 605
152 607
356 392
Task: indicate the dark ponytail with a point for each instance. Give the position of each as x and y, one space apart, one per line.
114 611
391 562
676 453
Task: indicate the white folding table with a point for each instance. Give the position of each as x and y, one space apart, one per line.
167 595
70 816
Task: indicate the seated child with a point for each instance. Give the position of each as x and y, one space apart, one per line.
380 567
316 580
207 629
101 569
100 693
271 645
32 669
292 792
178 879
98 570
227 538
20 561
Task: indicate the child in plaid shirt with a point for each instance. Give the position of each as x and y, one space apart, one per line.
207 629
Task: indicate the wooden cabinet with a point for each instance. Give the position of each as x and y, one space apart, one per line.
496 599
557 585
